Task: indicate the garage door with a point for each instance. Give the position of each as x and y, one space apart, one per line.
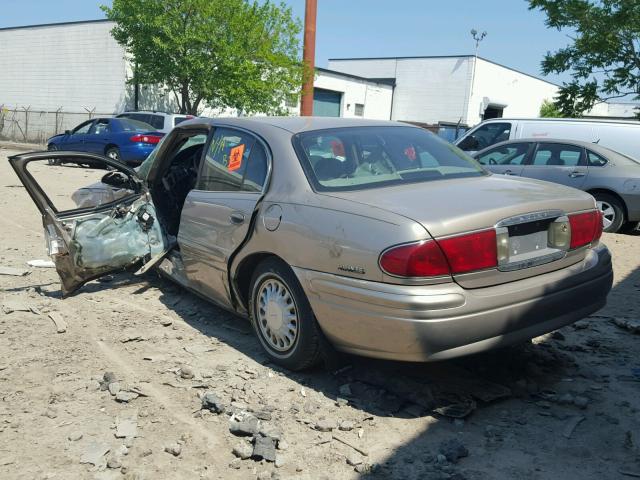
326 103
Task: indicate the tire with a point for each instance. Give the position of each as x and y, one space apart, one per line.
274 292
613 211
52 148
113 153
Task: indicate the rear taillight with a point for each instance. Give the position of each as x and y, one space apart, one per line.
474 251
153 139
430 258
423 259
585 228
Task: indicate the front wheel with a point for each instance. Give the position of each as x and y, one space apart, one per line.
282 317
113 153
52 148
612 212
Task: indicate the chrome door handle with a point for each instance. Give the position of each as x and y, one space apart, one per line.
576 174
236 218
508 172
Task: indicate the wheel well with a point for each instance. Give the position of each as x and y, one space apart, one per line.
245 272
613 194
111 145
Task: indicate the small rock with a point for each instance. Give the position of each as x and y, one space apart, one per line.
125 397
283 445
247 427
236 463
211 402
280 461
174 449
453 450
363 468
109 377
325 425
264 476
264 448
126 428
165 322
243 450
146 452
347 425
113 462
51 413
186 372
353 459
114 388
263 415
75 436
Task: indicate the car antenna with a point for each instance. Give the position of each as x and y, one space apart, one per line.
597 141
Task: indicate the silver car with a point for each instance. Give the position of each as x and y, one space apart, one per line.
611 177
377 236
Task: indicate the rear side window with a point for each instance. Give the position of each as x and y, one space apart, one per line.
596 160
513 154
130 125
485 136
235 161
368 157
558 155
177 120
156 121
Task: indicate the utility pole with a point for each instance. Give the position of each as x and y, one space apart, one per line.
309 57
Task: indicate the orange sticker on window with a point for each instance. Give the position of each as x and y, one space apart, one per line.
235 158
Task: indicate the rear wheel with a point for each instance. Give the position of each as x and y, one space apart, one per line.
612 212
113 153
282 317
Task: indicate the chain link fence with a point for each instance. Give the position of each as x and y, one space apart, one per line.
24 124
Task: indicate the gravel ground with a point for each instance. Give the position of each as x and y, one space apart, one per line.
119 392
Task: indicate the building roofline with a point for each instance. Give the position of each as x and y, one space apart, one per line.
446 56
58 24
381 81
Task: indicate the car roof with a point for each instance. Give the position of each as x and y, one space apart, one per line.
599 149
560 120
295 124
154 112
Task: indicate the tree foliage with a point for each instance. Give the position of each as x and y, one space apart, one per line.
548 109
220 53
603 57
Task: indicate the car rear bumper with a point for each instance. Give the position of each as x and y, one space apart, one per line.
436 322
136 153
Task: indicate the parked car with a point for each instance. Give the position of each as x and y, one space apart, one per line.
121 139
161 121
611 177
621 136
378 236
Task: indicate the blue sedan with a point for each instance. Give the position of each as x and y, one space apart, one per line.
122 139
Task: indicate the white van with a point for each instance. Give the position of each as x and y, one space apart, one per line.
621 136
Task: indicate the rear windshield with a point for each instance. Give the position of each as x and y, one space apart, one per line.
129 125
369 157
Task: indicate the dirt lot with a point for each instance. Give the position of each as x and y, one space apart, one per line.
567 406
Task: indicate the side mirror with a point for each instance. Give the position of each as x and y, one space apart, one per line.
67 132
120 180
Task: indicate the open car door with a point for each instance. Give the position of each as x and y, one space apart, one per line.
96 220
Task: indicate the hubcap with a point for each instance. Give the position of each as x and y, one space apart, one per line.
277 315
112 154
608 213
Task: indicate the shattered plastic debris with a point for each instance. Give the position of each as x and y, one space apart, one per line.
41 263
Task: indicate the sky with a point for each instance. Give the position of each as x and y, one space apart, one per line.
516 36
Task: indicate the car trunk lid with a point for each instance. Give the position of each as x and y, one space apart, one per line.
447 208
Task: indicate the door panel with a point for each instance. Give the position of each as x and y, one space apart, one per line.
75 140
99 137
558 163
212 226
98 228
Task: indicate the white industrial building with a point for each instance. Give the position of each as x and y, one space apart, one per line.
55 76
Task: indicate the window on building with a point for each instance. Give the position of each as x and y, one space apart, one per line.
359 110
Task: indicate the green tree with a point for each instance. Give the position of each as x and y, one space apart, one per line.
603 57
220 53
548 109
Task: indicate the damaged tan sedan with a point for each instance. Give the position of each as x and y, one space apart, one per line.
378 236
